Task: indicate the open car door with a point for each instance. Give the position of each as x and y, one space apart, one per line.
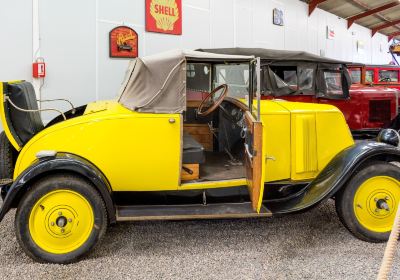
254 158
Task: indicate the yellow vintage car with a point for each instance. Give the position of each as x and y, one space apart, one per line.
187 138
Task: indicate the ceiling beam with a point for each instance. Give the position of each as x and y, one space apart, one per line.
392 35
352 19
313 4
385 25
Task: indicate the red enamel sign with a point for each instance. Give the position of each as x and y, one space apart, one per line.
164 16
123 42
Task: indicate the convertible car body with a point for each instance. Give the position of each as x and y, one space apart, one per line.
188 137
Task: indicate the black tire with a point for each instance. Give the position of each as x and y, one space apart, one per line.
39 190
345 200
8 157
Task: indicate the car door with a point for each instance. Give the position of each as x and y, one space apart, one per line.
254 155
254 160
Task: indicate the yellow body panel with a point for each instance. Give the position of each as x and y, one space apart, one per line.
301 138
135 151
276 144
142 151
4 121
304 146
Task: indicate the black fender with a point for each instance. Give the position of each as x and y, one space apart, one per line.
333 177
60 162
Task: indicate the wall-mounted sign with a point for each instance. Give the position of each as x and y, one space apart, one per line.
360 47
277 17
123 42
330 32
164 16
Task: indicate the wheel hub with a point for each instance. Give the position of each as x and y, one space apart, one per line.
382 204
60 221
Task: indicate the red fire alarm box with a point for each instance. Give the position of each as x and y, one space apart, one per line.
39 69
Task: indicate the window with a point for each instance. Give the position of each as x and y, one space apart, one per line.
285 77
333 83
290 78
388 75
236 76
355 74
294 79
369 76
198 76
306 78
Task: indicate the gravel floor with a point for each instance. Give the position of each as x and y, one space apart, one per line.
312 245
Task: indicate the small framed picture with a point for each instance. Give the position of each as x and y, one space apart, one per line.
278 17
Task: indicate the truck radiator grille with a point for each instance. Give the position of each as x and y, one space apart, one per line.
379 111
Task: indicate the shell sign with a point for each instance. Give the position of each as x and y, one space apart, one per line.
164 16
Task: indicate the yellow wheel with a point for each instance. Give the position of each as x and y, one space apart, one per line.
375 203
60 219
367 206
59 227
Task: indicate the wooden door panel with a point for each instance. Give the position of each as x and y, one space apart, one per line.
254 160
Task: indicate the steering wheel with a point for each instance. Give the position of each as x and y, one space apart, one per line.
214 104
387 79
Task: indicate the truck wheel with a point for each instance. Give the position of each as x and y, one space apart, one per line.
367 205
60 219
8 156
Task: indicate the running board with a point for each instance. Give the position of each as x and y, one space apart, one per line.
189 212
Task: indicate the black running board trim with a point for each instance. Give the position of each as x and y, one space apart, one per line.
189 212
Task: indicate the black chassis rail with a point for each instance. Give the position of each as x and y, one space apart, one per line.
61 162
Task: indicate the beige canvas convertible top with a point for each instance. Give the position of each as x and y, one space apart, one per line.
157 83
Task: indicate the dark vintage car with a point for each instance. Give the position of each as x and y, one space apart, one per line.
304 77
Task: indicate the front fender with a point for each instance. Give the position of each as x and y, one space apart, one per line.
62 162
333 177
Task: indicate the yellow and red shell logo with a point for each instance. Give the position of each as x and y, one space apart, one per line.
164 16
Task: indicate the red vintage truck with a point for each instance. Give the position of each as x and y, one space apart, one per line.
304 77
375 75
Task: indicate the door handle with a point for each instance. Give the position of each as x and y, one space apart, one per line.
250 155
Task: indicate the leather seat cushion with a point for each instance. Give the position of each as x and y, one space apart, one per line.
193 151
25 124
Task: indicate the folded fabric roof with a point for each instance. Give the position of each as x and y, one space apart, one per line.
157 83
275 55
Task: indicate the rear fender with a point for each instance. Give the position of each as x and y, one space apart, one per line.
61 162
333 177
